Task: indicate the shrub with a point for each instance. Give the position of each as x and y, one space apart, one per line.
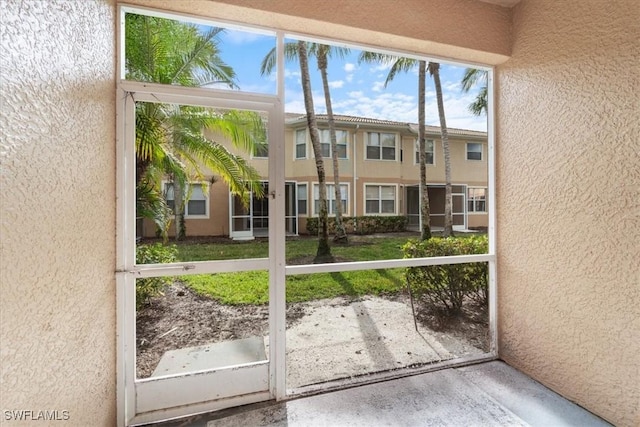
447 286
156 253
363 224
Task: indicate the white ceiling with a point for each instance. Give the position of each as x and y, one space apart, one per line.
505 3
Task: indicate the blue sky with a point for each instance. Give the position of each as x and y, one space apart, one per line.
356 89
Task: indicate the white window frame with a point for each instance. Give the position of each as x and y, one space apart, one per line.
473 200
467 151
206 194
381 157
325 139
126 269
380 185
330 197
306 199
297 143
416 152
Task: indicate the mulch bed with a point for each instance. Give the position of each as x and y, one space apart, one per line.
181 318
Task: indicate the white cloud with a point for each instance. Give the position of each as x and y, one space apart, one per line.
385 66
386 106
243 37
336 84
291 74
349 67
451 86
377 86
456 112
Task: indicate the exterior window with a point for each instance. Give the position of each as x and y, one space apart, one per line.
198 204
261 150
302 199
428 151
341 143
474 151
381 146
301 144
331 198
380 199
476 199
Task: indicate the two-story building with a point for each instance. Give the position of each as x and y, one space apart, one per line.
379 175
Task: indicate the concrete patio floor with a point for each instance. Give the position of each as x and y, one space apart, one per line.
486 394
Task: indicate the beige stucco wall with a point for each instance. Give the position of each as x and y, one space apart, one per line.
461 29
568 213
57 201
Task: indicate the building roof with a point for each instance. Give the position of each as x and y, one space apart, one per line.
295 118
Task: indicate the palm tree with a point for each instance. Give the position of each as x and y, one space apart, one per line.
404 65
434 70
323 253
322 53
472 78
170 140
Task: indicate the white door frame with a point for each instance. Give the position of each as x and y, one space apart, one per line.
246 234
158 398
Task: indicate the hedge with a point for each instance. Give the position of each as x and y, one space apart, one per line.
448 286
156 253
363 224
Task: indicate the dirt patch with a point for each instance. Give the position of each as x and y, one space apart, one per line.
470 325
182 318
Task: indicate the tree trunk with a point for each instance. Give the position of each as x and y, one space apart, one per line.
434 68
425 220
324 251
341 232
179 205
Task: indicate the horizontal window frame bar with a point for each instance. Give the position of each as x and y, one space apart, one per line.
199 267
197 96
292 270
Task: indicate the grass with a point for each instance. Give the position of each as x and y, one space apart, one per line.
252 287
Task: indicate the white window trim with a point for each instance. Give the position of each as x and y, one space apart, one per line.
416 159
207 199
366 144
310 191
305 183
381 184
346 144
486 197
295 144
466 151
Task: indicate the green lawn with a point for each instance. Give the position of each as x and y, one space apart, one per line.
252 287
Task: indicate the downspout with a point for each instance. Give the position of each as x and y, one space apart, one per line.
355 179
413 149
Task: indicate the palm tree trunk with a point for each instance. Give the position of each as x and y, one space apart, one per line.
434 68
324 251
425 220
179 205
341 232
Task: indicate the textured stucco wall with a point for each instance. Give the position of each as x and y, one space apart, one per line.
568 201
460 29
57 257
